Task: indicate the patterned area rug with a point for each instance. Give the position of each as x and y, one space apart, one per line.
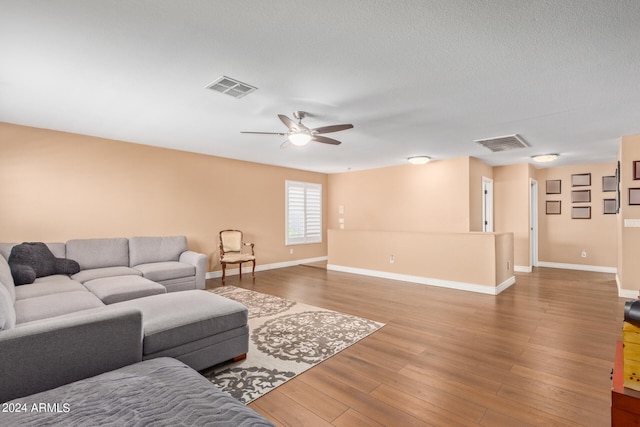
285 339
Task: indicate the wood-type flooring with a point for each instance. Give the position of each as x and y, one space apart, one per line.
538 354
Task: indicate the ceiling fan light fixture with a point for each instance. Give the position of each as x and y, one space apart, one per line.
419 160
545 158
299 138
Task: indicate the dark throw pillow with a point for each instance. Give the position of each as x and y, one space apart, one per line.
22 274
66 266
30 260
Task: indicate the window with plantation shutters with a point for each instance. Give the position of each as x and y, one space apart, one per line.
303 213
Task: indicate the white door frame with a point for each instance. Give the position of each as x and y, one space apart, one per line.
487 204
533 222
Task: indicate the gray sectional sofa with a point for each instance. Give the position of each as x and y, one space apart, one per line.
63 329
158 392
111 270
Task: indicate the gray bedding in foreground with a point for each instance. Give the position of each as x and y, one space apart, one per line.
157 392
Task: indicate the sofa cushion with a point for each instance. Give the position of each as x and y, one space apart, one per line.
182 284
46 306
99 273
7 312
123 288
5 249
7 279
173 319
49 285
98 253
167 270
144 250
58 249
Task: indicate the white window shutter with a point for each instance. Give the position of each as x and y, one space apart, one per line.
303 213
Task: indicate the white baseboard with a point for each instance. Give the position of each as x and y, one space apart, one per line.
471 287
264 267
626 293
522 268
582 267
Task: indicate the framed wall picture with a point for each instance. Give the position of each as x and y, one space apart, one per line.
609 206
581 180
634 196
553 207
636 169
554 186
581 212
609 183
580 196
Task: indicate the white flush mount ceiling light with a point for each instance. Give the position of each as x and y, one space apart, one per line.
299 138
545 158
419 160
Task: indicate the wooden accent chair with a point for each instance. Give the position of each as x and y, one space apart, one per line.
231 246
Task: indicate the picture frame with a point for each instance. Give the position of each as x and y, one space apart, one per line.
580 196
554 186
609 183
581 212
609 206
636 169
581 180
553 207
634 196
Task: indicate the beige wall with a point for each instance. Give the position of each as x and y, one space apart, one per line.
629 237
62 186
511 207
56 186
477 170
561 238
421 198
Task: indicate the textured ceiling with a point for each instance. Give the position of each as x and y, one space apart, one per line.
413 76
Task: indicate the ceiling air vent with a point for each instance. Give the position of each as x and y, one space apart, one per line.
231 87
503 143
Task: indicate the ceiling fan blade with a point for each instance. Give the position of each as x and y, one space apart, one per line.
288 122
333 128
285 144
266 133
325 140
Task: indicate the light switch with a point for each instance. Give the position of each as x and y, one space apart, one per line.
341 209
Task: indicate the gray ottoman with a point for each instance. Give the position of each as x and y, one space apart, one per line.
123 288
159 392
197 327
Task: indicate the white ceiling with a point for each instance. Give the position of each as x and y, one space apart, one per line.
413 76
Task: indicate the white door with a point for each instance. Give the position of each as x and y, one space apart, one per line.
487 204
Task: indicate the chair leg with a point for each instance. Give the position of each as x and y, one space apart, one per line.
253 271
223 267
240 270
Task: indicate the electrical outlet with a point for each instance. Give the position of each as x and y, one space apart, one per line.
391 259
291 251
584 253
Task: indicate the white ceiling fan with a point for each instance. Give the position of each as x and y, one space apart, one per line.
298 134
